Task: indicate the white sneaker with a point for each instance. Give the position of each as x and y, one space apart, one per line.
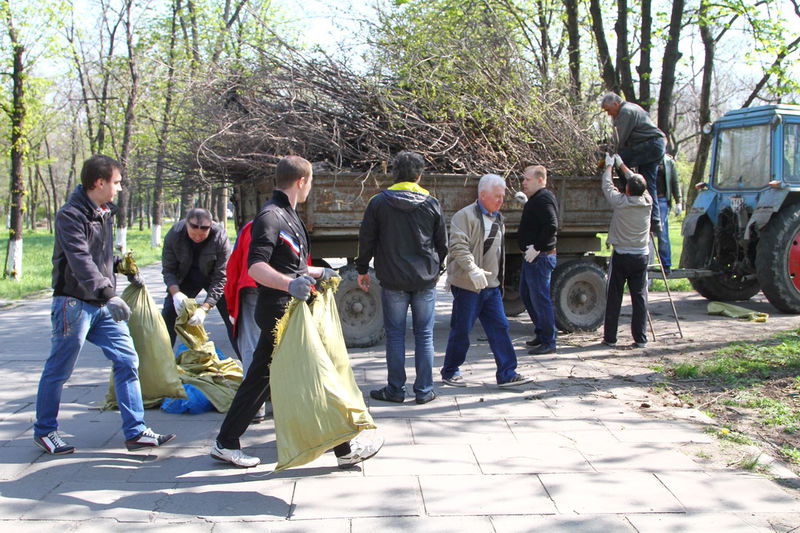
360 451
234 457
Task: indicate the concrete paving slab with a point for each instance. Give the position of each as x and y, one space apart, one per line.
484 495
617 493
729 492
286 526
395 430
430 459
692 523
651 457
656 431
157 526
424 524
227 502
388 496
441 406
572 438
84 500
515 403
460 431
561 524
36 526
501 458
772 522
14 461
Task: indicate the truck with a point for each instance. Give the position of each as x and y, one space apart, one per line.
742 234
333 213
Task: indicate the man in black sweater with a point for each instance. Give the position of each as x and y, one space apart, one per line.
537 240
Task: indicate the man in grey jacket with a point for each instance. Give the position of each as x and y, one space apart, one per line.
629 233
475 275
194 258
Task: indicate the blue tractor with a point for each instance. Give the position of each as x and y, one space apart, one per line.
742 233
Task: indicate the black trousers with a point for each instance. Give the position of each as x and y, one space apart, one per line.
633 269
254 390
169 314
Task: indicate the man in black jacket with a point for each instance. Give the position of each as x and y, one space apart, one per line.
537 240
194 258
404 230
85 307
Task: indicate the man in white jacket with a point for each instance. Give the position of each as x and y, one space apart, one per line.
629 233
475 275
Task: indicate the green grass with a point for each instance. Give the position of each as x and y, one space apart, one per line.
791 453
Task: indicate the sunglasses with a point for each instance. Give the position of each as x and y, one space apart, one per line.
197 226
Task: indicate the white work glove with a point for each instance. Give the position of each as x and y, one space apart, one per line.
198 317
300 287
609 160
179 302
521 197
531 253
617 161
677 209
478 278
118 308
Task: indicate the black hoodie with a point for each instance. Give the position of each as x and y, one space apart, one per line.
83 255
405 231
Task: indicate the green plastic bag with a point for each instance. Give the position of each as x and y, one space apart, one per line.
200 365
158 373
735 311
316 402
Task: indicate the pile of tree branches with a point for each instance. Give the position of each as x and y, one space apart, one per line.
324 111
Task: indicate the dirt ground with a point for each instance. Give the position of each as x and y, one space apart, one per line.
659 396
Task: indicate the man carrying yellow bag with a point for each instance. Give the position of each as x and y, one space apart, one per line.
278 262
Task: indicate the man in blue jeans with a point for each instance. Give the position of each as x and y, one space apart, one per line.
537 240
404 230
475 273
669 189
86 307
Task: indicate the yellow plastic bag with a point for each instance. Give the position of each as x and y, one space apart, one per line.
735 311
316 402
158 373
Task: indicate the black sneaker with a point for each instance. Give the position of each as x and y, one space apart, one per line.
425 399
533 343
53 444
542 350
384 396
147 439
515 381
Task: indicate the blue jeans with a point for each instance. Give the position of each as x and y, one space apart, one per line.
469 306
664 249
75 321
423 312
534 288
645 157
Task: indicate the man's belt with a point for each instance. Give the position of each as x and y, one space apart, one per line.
550 252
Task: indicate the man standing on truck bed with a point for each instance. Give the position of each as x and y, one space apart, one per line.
640 144
475 272
404 230
537 240
629 233
278 262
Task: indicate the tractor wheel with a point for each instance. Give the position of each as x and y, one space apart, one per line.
360 312
697 251
578 289
778 260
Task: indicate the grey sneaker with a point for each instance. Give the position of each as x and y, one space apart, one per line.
234 457
360 451
454 381
515 381
53 444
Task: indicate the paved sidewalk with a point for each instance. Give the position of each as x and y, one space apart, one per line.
567 453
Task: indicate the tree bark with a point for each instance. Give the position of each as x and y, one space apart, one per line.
130 116
709 48
668 66
623 52
17 114
574 48
607 71
645 69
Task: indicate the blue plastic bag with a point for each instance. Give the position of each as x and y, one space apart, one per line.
195 403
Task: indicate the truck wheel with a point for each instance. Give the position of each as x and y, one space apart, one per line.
778 260
360 312
697 251
512 303
578 289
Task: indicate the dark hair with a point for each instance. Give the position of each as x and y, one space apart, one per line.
199 214
636 185
96 168
290 169
407 166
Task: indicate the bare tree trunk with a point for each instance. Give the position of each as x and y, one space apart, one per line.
670 62
130 108
574 48
644 69
48 209
709 47
17 113
623 52
53 188
607 71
